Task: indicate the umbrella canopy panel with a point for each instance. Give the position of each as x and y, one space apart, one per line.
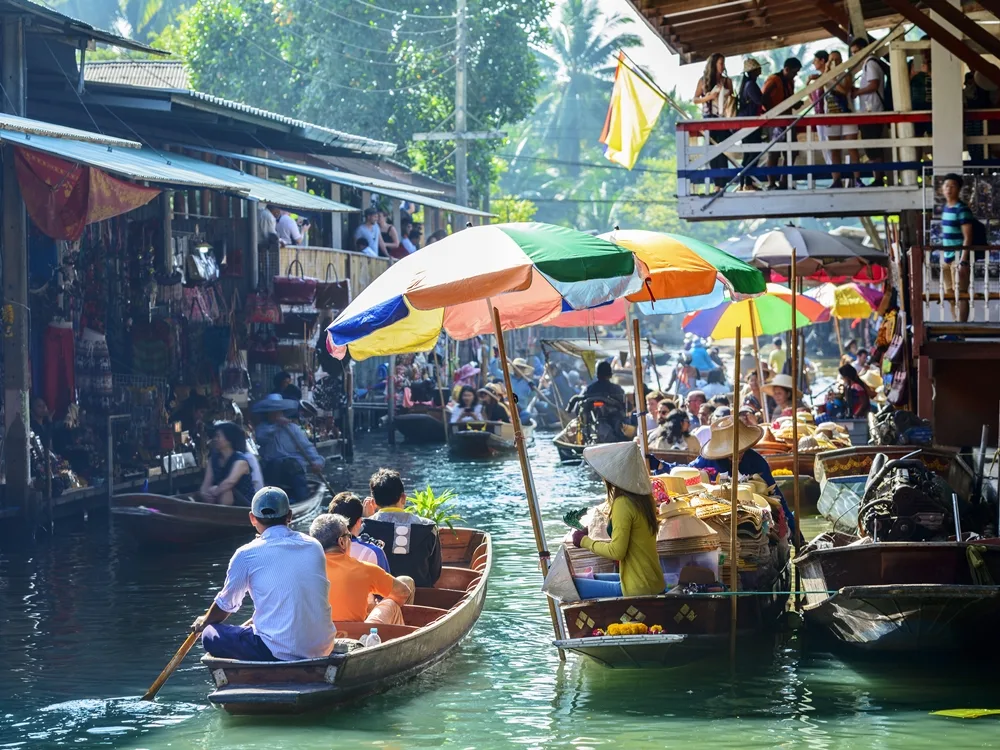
765 315
814 251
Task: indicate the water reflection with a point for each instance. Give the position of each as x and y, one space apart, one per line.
88 619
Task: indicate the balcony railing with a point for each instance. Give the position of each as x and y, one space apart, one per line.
941 291
805 166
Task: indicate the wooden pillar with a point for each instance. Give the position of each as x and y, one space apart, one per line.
17 382
337 221
947 104
857 19
253 240
901 103
166 229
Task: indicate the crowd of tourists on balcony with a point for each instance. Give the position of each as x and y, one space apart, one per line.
865 88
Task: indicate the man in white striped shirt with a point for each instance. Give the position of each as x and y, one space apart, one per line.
285 574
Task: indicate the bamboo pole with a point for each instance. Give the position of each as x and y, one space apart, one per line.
640 391
652 364
734 480
529 482
442 379
840 339
795 416
760 368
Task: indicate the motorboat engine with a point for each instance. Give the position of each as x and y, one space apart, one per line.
904 501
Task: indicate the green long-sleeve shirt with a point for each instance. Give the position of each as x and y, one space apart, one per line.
633 545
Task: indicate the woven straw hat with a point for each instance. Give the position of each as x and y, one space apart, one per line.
622 465
720 445
778 381
522 366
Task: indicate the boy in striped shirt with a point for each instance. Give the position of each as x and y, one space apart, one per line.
957 225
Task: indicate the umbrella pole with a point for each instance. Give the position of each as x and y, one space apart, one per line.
652 364
840 339
442 379
529 482
640 390
795 418
760 368
734 481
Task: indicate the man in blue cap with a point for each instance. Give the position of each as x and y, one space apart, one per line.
286 452
284 572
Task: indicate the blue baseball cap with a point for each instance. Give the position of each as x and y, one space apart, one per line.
270 503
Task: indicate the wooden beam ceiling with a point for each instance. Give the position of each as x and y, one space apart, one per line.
967 26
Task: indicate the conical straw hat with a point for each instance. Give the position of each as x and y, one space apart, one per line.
685 526
720 445
622 465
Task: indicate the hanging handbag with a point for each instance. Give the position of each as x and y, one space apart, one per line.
293 357
894 352
295 290
262 309
263 350
201 267
333 295
899 392
296 325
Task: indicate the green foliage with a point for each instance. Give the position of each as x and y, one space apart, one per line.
141 20
379 70
426 504
508 209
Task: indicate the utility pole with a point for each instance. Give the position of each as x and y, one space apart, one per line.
461 135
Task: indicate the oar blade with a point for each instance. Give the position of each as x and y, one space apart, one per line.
967 713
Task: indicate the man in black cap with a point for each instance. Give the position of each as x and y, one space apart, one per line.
284 572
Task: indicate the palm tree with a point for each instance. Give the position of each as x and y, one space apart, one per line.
578 66
138 19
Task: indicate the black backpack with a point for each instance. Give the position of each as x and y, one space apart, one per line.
886 95
979 237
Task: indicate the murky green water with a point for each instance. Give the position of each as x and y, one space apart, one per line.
87 621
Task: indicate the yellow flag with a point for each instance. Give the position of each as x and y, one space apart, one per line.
635 105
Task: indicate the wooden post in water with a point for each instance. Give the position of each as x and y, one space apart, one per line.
734 481
441 374
795 417
390 397
760 368
529 482
640 390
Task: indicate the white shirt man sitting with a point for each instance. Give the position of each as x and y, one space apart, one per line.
284 572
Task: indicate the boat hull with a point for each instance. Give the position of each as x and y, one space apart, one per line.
485 439
420 427
164 520
264 688
899 596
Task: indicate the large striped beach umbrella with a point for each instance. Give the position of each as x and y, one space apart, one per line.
531 272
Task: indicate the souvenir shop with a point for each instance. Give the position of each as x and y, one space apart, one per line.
144 330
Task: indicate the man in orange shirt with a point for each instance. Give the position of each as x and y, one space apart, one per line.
352 581
778 87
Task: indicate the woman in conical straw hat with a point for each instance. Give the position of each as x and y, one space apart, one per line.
717 456
633 525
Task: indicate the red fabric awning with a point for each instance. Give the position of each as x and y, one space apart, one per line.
63 197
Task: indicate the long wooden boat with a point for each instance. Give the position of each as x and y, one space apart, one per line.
421 424
483 439
900 596
842 473
162 519
570 451
440 618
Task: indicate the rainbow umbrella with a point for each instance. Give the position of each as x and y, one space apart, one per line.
847 301
768 314
532 273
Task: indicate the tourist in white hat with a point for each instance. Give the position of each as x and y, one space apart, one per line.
633 525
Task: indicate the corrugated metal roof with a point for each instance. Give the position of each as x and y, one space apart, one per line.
38 127
387 169
134 164
263 190
45 16
386 188
309 130
154 74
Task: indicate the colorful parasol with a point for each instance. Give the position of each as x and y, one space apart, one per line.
766 315
847 301
814 251
532 272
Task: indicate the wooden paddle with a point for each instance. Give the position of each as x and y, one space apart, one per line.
967 713
172 665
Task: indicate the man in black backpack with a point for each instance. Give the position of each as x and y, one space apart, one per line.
872 97
750 103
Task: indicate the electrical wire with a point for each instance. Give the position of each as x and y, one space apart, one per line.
371 27
72 85
361 59
588 165
405 14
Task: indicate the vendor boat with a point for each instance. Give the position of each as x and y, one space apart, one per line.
421 424
901 596
484 439
842 475
438 621
181 519
566 443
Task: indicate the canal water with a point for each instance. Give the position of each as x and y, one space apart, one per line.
87 620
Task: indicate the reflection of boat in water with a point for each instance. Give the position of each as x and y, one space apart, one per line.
900 596
421 424
161 519
437 622
842 474
481 439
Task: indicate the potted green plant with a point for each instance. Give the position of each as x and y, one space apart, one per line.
426 504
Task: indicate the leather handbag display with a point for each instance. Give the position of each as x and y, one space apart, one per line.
295 290
262 309
296 325
201 267
333 295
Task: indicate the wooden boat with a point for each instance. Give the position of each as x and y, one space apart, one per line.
421 424
482 439
900 596
675 457
842 473
440 618
570 451
161 519
694 625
